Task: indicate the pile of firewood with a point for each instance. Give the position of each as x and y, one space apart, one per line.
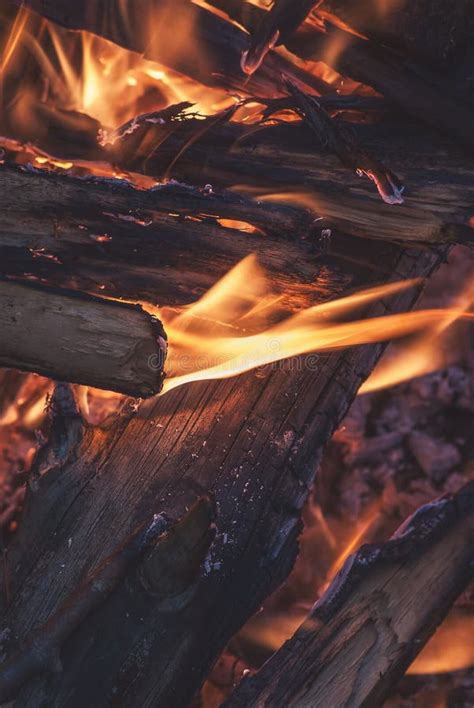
145 543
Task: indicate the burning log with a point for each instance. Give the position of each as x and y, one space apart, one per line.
70 336
177 448
375 617
414 89
155 29
162 238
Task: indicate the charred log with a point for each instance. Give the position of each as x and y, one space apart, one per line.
172 242
191 441
73 337
375 617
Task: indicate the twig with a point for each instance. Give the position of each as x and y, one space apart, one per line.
337 140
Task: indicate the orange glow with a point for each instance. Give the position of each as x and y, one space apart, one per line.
108 83
425 354
361 533
450 649
240 324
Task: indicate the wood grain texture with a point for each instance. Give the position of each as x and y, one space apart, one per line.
169 246
167 241
69 336
252 442
375 617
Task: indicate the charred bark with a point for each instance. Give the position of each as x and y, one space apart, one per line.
216 437
173 242
69 336
375 617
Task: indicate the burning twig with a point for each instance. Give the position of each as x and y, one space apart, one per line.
70 336
41 652
276 27
337 140
375 617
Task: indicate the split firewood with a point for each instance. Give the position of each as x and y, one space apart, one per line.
176 448
375 617
74 337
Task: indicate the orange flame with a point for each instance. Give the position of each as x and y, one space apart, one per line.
240 325
450 649
108 83
425 354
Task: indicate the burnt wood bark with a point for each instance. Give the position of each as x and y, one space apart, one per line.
69 336
168 241
172 244
253 442
375 617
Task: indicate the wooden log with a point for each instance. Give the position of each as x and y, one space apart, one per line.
413 88
289 160
253 443
376 616
169 241
165 257
74 337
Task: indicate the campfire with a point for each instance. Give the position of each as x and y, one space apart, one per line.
217 214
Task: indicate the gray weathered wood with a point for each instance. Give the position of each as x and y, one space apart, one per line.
73 337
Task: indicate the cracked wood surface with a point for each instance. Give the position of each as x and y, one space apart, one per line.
253 442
